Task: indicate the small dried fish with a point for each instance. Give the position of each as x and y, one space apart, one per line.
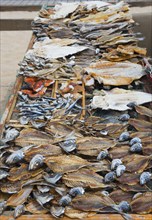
68 145
124 117
124 206
36 162
43 189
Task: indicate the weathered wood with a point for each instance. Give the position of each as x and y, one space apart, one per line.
95 217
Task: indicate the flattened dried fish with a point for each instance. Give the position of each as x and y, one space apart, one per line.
20 197
111 73
92 146
84 178
66 163
36 162
33 136
117 99
142 205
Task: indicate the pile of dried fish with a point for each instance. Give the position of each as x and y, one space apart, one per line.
78 143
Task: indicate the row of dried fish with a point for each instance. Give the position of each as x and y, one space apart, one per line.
78 143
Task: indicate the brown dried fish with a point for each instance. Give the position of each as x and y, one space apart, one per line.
142 204
93 145
119 152
142 110
84 178
22 173
32 136
136 163
115 73
140 125
74 213
20 197
66 163
35 208
119 195
44 150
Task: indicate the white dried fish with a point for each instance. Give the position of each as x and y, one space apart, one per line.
115 73
62 10
117 99
60 48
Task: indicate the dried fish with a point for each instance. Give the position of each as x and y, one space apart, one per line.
102 155
136 148
142 205
116 74
110 177
124 117
76 191
3 174
53 178
135 140
43 189
15 157
57 211
36 162
65 200
145 177
117 99
42 198
115 163
10 134
68 145
19 210
2 206
124 136
120 170
66 163
20 197
124 206
84 178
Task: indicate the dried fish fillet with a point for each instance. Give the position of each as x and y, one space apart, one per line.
60 48
65 163
84 178
115 73
142 205
32 136
118 99
92 146
20 197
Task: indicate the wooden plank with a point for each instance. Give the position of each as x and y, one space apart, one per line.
95 217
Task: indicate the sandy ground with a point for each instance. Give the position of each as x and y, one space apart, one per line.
14 44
